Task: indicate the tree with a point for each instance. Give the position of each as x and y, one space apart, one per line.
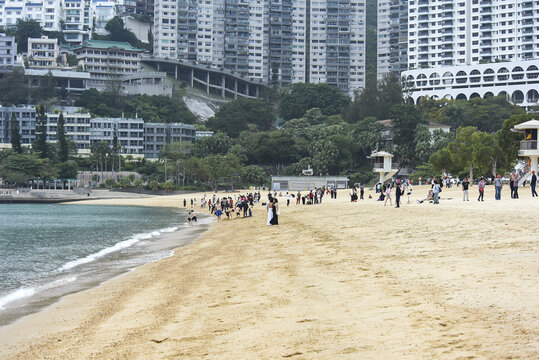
302 97
462 148
124 182
18 168
486 114
219 143
368 135
46 88
276 148
323 153
389 94
221 168
68 169
441 139
508 140
26 28
63 150
14 88
376 100
40 144
15 134
240 115
422 141
405 119
441 160
487 152
253 175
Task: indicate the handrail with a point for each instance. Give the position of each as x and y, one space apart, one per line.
528 145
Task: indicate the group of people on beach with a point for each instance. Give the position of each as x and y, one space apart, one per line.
515 181
236 206
240 205
385 189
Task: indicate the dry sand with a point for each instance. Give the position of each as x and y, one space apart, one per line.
338 280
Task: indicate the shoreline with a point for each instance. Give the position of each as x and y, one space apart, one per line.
38 302
337 280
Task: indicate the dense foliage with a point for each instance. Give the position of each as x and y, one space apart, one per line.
302 97
152 108
242 114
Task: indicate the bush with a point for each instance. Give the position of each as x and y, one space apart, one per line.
153 185
362 177
110 183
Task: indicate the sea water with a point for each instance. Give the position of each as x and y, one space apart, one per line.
48 251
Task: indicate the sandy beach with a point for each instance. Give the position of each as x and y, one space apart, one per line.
338 280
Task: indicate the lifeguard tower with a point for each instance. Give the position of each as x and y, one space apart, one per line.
383 165
528 146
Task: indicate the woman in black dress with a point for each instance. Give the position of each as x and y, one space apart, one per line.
275 209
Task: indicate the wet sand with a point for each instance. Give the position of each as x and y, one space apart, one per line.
338 280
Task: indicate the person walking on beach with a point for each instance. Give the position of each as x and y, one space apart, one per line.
533 183
465 184
184 203
287 199
298 198
361 191
269 209
398 194
436 191
481 187
275 218
388 195
498 186
515 186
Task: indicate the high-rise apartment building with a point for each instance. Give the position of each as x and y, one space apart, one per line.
77 22
477 48
392 37
469 32
73 17
47 12
274 41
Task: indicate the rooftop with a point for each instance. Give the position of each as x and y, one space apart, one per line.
532 124
105 44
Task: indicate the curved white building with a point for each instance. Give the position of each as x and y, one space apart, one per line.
518 80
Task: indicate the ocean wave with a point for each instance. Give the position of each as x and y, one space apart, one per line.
16 295
116 247
25 292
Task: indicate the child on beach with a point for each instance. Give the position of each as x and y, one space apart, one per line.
388 196
218 211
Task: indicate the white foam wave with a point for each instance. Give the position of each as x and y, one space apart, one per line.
116 247
93 257
25 292
16 295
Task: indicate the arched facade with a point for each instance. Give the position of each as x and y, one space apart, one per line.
518 81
